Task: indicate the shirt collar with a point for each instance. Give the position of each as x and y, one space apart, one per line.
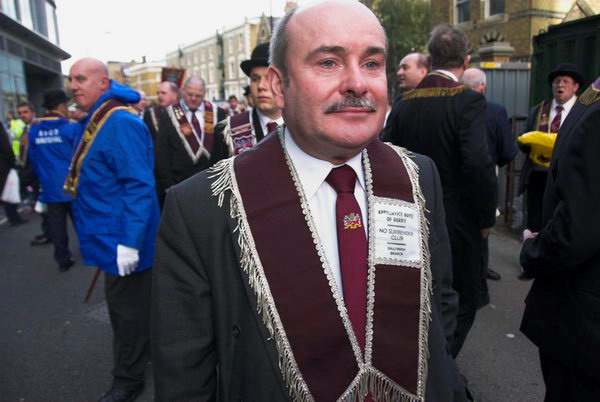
566 106
264 119
312 171
448 73
187 108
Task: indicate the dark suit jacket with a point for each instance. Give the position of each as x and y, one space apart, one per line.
173 164
160 114
451 131
502 146
205 316
562 312
530 125
7 157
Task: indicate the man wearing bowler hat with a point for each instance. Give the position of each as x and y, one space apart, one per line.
547 116
239 133
51 142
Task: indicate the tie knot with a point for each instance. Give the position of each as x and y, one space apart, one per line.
342 179
272 126
193 110
559 108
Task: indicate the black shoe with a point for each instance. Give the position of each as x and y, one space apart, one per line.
65 267
524 277
40 236
121 395
493 275
40 241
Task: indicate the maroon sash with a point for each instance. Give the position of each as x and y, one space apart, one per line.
93 127
543 117
242 133
191 139
311 320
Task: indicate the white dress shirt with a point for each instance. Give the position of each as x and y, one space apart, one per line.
199 115
566 109
264 120
321 198
448 73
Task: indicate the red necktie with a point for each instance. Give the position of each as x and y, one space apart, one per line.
272 126
556 121
352 248
195 142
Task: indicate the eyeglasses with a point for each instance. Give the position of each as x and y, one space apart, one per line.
195 95
566 81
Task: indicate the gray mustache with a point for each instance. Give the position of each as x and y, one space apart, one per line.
351 101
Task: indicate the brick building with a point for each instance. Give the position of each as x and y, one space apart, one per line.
502 30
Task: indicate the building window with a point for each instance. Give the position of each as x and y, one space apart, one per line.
25 13
462 11
493 7
51 21
211 72
232 70
9 8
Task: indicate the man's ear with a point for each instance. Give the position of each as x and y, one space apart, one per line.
466 63
276 81
104 83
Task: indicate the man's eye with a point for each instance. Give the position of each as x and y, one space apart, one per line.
372 64
328 63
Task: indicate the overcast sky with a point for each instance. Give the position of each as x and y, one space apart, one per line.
122 30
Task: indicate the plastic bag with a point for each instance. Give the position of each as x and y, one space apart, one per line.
541 144
11 192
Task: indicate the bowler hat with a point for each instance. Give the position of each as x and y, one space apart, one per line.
54 97
259 57
569 69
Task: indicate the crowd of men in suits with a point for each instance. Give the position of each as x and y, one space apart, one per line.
320 263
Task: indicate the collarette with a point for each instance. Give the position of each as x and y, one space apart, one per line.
447 73
187 109
313 171
566 106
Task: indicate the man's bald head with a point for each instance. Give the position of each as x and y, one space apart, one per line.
168 93
474 78
282 37
193 91
89 80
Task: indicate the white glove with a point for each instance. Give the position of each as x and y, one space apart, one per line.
127 259
528 234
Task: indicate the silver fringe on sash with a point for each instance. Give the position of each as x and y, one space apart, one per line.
368 379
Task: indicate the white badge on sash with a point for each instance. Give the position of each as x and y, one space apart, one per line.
397 233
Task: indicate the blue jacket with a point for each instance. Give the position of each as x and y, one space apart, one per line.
116 198
51 144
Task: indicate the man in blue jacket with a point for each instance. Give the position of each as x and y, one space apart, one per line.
116 214
51 143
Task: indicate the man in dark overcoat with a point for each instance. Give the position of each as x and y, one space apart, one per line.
445 120
299 269
562 309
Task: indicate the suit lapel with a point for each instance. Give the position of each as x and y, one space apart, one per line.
257 126
251 297
565 130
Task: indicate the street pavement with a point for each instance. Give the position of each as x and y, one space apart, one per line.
55 348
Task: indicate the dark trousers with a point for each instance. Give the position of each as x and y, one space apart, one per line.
535 199
11 212
466 243
128 300
484 293
565 384
56 221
